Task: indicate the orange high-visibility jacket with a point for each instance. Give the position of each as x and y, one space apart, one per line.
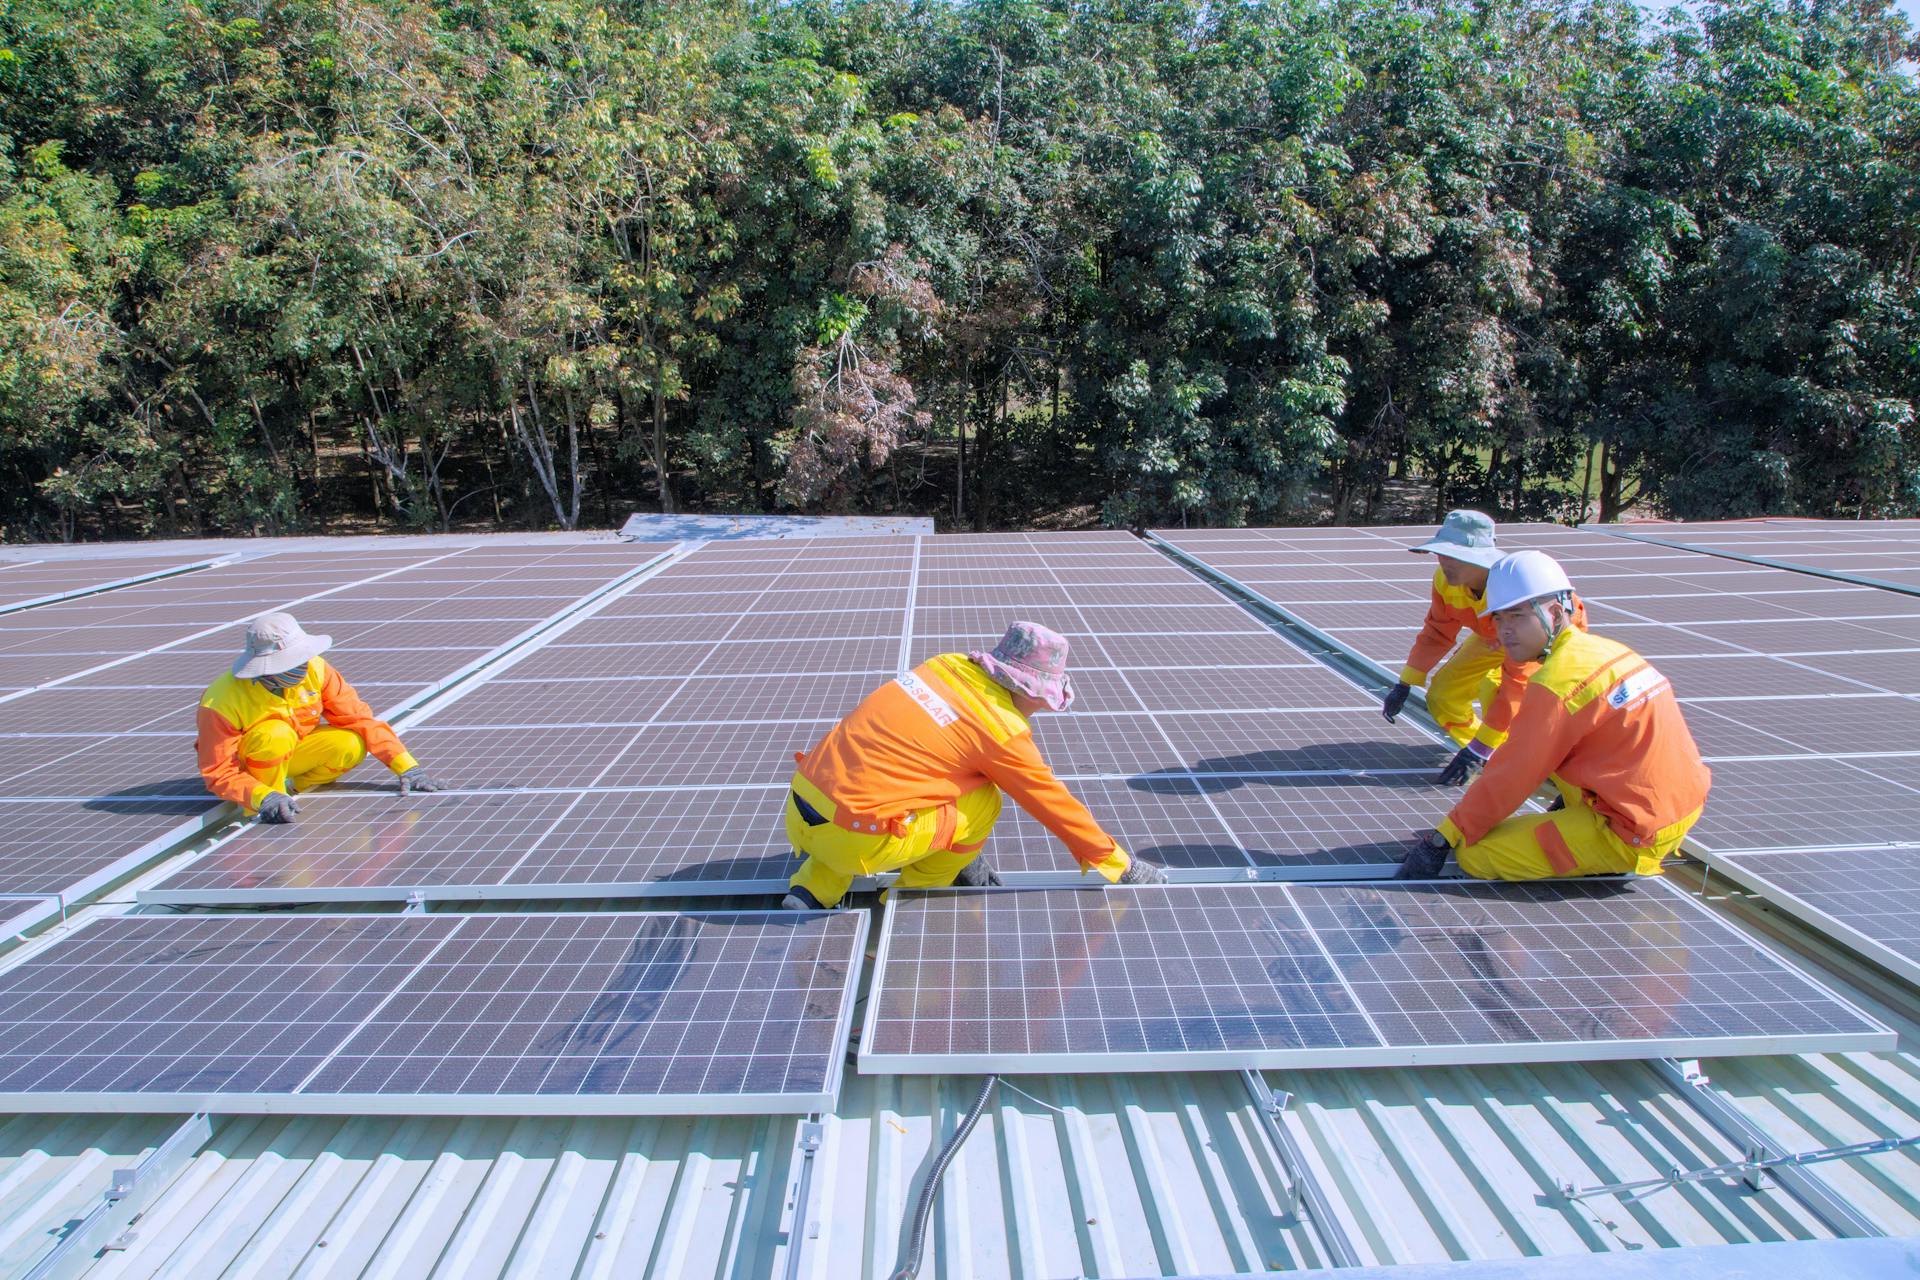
1605 720
922 740
231 706
1452 609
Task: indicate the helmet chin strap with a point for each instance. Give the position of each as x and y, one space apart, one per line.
1545 617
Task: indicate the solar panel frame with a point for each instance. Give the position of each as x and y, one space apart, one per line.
1314 990
306 1052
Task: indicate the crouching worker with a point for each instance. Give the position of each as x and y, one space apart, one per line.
1479 670
1601 723
261 732
911 781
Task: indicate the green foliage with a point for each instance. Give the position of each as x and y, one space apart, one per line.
423 262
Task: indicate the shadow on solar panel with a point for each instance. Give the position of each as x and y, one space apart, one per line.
1395 764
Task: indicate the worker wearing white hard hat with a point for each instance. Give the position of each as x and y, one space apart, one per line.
1599 722
1478 670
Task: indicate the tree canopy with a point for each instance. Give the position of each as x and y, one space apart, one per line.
298 264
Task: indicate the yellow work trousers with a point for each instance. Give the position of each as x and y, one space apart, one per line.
834 855
1471 675
276 755
1574 841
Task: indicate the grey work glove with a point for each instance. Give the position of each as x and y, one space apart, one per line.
1396 699
278 806
977 875
1140 871
418 779
1425 858
1466 762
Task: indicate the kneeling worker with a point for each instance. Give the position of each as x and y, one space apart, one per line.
1601 723
1479 670
911 780
261 737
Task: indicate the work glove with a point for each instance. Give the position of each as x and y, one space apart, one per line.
1425 858
1396 699
277 806
1466 762
1559 803
977 875
418 779
1140 871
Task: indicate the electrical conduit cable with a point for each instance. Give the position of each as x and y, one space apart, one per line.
924 1208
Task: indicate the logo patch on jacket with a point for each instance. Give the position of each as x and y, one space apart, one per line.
1636 688
927 700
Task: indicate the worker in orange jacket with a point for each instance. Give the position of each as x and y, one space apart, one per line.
1599 722
1479 670
261 732
911 780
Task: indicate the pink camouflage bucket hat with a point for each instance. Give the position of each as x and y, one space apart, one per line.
1031 659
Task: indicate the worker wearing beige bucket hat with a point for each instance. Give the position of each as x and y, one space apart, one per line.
1478 670
284 720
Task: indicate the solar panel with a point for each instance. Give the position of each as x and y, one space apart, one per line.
52 846
628 1014
1883 554
37 583
374 847
1189 977
1868 898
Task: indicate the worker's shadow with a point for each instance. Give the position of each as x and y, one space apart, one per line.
767 868
1367 764
175 797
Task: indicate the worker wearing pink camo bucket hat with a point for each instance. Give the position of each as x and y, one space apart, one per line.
912 779
1031 659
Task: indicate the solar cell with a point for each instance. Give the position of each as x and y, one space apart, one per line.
628 1013
1187 977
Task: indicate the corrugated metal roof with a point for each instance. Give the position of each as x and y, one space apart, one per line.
1089 1175
53 1169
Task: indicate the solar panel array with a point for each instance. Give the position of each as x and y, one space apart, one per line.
1874 552
1800 690
1305 975
96 755
648 750
623 1013
644 746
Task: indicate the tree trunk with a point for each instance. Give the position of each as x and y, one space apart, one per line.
960 446
1586 484
1609 486
659 449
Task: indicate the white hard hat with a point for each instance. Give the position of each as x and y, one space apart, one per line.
1524 576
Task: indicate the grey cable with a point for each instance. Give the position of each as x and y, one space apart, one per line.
917 1245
